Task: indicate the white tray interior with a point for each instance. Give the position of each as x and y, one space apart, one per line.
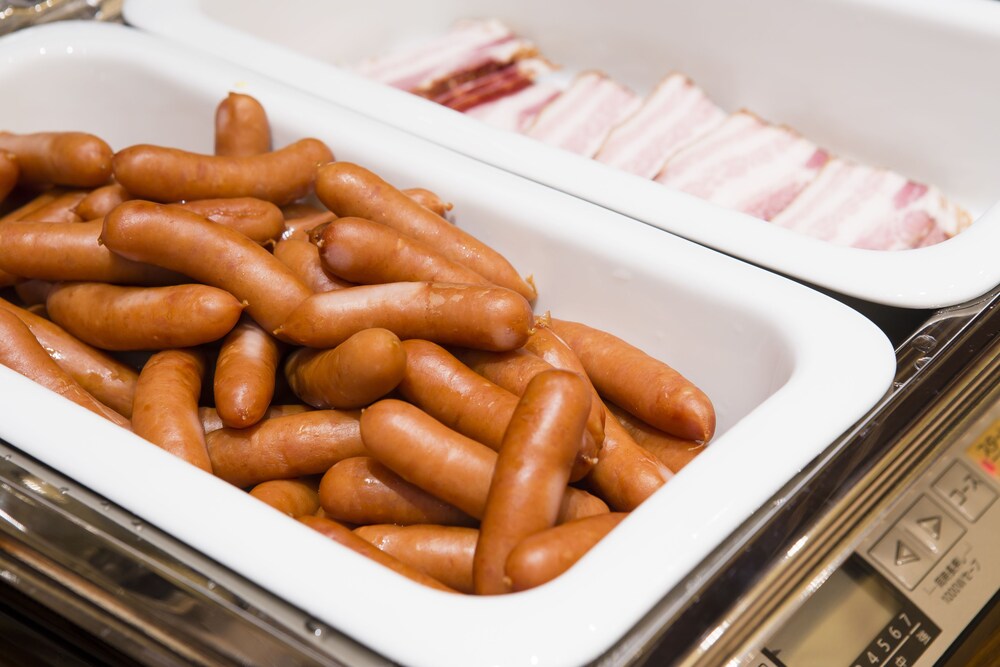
891 83
788 368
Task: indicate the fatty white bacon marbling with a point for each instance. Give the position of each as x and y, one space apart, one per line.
469 47
747 165
675 114
516 111
580 119
855 205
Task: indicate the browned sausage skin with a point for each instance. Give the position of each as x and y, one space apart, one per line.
545 555
444 463
491 318
165 174
100 201
107 379
259 220
307 443
350 190
22 353
429 200
635 381
165 410
367 252
210 253
360 490
75 159
59 251
294 497
61 209
443 552
345 537
244 374
673 452
211 421
362 369
241 127
302 257
8 173
531 472
113 317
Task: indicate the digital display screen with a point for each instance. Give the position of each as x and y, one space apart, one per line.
838 622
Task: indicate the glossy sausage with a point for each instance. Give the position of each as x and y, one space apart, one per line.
8 173
241 127
350 190
245 370
212 254
635 381
165 410
531 472
75 159
513 370
35 203
624 473
428 200
301 218
294 497
72 251
360 490
367 253
291 446
211 421
112 317
60 209
22 353
444 463
542 557
443 552
362 369
302 257
490 318
259 220
100 201
107 379
345 537
165 174
675 453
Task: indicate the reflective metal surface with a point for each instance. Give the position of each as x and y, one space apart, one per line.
18 14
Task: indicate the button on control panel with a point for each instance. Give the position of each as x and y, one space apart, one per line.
931 526
965 490
900 554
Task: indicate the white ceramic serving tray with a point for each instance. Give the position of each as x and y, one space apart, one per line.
789 369
904 84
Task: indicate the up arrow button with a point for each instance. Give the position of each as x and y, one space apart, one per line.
932 525
905 554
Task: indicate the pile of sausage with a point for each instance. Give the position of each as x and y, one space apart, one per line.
366 367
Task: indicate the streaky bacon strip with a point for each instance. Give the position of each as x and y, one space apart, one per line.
675 114
580 119
468 47
856 205
746 164
516 111
499 82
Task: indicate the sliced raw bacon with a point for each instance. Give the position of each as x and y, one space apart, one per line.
855 205
517 111
580 119
469 47
487 87
746 164
675 114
